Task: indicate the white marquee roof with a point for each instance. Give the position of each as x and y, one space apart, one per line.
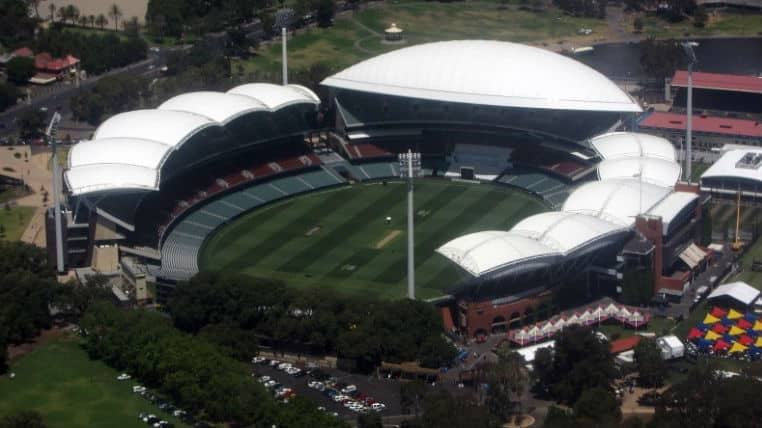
129 149
275 97
217 106
617 201
488 73
565 231
740 291
651 170
172 128
726 167
671 206
616 145
483 252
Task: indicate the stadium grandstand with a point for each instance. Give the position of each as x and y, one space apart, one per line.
709 132
637 191
717 92
160 182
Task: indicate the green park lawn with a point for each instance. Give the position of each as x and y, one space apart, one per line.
357 36
15 221
70 390
338 238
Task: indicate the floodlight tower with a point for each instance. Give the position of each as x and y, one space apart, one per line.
688 48
410 167
284 50
51 133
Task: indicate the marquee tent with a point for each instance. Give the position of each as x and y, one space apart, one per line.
734 314
710 319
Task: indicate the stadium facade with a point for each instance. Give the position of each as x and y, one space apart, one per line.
155 184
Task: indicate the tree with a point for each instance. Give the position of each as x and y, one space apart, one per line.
91 20
115 12
652 368
369 421
101 21
52 9
23 419
597 407
30 123
132 27
558 418
8 95
325 12
20 70
638 24
700 17
411 396
506 381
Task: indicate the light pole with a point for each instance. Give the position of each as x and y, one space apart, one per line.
284 54
410 167
51 132
688 48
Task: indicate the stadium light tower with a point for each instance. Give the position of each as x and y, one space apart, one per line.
284 50
688 48
51 133
410 167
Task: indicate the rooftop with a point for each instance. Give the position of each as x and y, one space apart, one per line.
701 123
720 82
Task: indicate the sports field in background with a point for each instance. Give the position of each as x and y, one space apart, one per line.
70 390
340 239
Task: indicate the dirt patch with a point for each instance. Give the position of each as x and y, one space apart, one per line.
387 239
17 351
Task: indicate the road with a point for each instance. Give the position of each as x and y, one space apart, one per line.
60 98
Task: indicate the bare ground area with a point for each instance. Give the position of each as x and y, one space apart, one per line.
17 351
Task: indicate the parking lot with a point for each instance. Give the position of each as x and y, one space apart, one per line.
385 392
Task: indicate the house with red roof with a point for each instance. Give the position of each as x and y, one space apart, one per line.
48 68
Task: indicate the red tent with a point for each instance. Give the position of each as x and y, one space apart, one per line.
695 333
721 345
719 328
745 340
744 324
719 313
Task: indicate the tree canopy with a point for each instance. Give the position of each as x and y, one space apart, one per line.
20 70
652 369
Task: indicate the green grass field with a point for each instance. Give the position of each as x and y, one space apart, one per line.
357 36
15 221
339 239
70 390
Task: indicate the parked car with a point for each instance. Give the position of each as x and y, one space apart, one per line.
124 376
258 360
348 389
138 389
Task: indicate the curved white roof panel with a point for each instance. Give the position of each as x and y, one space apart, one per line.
726 166
616 145
617 201
487 73
217 106
128 151
652 170
483 252
172 128
103 177
274 96
565 231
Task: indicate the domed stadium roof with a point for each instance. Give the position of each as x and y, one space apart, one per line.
129 149
616 145
565 231
651 170
618 201
486 73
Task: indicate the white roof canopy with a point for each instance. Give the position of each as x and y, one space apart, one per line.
739 291
618 201
129 149
217 106
615 145
651 170
671 206
487 73
483 252
565 231
726 167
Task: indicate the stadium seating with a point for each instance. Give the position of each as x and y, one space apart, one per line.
488 162
553 161
183 241
537 182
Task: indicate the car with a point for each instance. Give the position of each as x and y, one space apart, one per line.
284 366
348 389
378 407
150 419
124 376
138 389
178 413
274 363
265 379
258 360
